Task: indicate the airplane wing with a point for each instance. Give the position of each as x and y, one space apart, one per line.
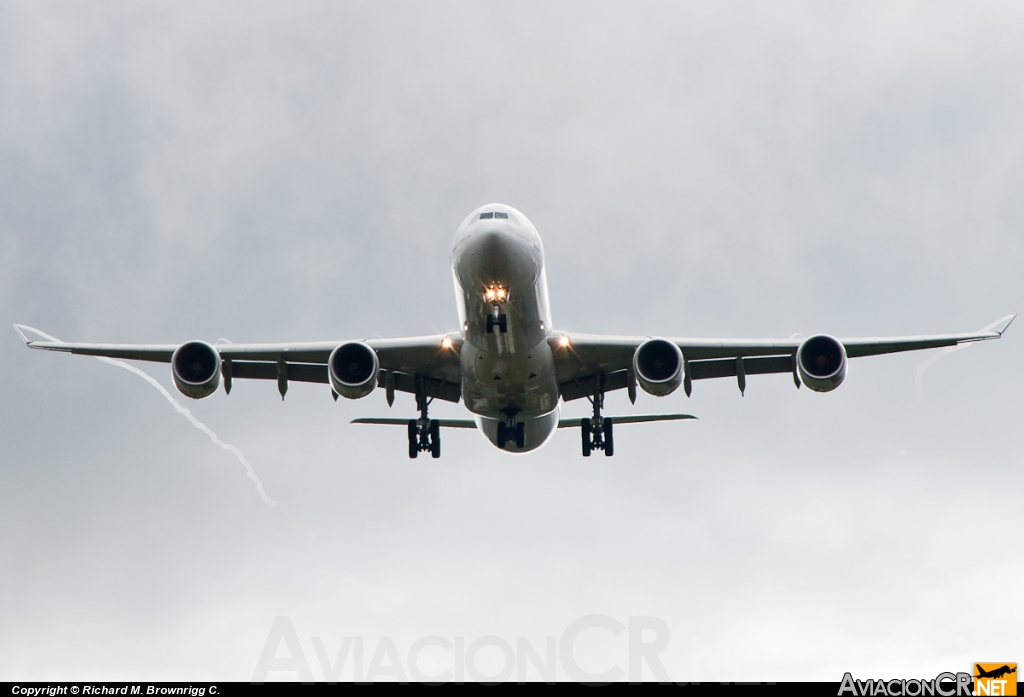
433 359
583 359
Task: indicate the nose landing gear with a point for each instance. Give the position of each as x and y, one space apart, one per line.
424 433
497 319
597 432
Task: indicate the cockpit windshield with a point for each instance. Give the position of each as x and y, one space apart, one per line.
493 214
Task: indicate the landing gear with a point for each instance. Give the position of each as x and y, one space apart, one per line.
597 432
435 438
424 433
499 320
424 439
511 430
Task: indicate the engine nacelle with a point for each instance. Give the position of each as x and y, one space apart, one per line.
196 369
353 370
658 365
821 361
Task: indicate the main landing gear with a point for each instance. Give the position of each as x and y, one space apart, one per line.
597 432
510 430
424 433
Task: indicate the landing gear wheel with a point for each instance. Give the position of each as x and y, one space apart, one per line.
414 442
435 438
490 324
609 444
502 435
503 323
585 429
520 434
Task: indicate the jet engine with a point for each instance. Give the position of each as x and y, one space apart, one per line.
821 361
658 365
353 370
196 369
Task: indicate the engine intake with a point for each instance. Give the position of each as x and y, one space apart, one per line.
658 365
821 361
353 369
195 367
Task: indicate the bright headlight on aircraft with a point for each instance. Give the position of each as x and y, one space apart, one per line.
496 293
446 343
563 342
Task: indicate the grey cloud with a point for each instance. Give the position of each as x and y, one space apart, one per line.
265 172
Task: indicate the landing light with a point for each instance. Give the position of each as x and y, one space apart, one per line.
563 341
446 343
496 293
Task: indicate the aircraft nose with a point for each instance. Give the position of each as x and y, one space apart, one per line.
494 247
495 255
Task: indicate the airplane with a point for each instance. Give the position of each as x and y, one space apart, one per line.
994 673
508 363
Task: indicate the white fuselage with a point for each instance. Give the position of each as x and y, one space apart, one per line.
498 264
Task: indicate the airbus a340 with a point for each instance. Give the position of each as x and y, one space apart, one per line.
507 363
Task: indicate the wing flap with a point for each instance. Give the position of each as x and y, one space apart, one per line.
727 367
434 388
297 372
578 388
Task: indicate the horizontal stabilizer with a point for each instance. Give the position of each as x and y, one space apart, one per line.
637 419
445 423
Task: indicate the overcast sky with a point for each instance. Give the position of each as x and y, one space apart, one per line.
296 171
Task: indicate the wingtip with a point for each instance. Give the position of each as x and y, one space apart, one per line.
22 328
18 329
1001 325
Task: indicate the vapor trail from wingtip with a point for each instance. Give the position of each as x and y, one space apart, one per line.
919 378
184 411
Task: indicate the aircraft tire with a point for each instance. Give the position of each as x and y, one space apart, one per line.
585 429
490 324
435 438
414 445
609 444
520 434
503 323
502 434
